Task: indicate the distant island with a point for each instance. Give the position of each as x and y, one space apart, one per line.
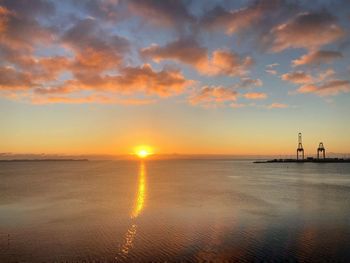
45 160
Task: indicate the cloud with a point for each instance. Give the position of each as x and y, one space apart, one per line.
224 62
30 8
109 10
329 88
93 60
326 75
277 105
271 68
212 95
317 58
297 77
4 13
129 81
94 49
255 96
271 71
185 50
11 79
237 105
162 13
21 32
234 20
306 30
21 36
188 51
73 53
54 90
273 65
98 99
164 83
249 83
143 79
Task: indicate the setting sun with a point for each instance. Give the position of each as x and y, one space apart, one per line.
143 151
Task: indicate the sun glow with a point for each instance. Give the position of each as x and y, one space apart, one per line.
143 151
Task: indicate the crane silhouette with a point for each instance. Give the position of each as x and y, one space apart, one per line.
300 148
322 150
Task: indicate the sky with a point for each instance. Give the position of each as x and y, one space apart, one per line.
187 77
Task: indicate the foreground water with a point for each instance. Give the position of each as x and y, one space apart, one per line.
175 210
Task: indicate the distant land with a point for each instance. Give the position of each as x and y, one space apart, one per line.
44 160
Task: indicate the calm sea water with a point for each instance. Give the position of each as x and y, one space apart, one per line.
174 210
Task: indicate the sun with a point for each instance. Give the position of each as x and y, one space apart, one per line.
143 151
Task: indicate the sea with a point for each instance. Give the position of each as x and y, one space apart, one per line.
180 210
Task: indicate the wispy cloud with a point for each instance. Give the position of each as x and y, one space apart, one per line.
212 95
329 88
317 58
255 95
277 105
298 77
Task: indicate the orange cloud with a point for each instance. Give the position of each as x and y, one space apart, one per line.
326 74
235 20
21 32
225 62
31 72
164 83
277 105
94 49
211 95
306 30
128 80
255 95
144 79
237 105
318 57
11 79
330 88
4 13
184 50
188 51
298 77
99 99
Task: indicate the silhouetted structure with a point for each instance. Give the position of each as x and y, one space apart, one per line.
300 148
321 149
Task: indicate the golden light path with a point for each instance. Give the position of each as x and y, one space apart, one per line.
136 211
141 192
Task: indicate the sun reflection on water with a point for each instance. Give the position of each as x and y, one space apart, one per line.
141 192
138 207
128 241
